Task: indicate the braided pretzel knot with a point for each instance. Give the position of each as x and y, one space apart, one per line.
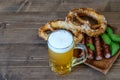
75 19
58 24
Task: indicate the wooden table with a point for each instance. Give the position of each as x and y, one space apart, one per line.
23 55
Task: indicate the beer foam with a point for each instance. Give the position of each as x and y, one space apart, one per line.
60 41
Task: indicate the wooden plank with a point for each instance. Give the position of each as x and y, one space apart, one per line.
55 1
23 55
25 63
40 73
10 6
62 5
22 5
44 1
43 6
115 6
31 17
23 52
47 7
22 25
78 1
16 36
97 5
43 17
45 73
114 0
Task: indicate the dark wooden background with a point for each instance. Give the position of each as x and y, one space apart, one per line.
23 55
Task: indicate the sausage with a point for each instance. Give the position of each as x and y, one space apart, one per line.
89 40
98 50
106 50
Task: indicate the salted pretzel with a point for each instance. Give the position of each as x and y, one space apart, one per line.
81 20
59 24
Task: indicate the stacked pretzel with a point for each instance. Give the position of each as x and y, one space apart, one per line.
86 25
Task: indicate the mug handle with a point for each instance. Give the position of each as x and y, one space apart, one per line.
77 61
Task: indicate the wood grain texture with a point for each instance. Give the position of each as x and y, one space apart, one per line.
44 17
31 62
57 5
24 56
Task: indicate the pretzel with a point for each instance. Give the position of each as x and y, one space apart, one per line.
59 24
75 18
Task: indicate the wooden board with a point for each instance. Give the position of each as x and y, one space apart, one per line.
104 65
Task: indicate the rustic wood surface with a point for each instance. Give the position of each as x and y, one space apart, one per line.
23 55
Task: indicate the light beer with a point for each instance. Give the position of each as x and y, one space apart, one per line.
60 48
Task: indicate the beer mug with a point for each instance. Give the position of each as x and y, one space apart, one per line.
61 47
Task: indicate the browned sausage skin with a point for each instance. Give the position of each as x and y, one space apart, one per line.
89 40
98 48
106 50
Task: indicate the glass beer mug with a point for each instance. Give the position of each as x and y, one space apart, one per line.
61 47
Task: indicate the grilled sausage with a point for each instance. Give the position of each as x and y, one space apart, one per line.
98 48
106 50
89 40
